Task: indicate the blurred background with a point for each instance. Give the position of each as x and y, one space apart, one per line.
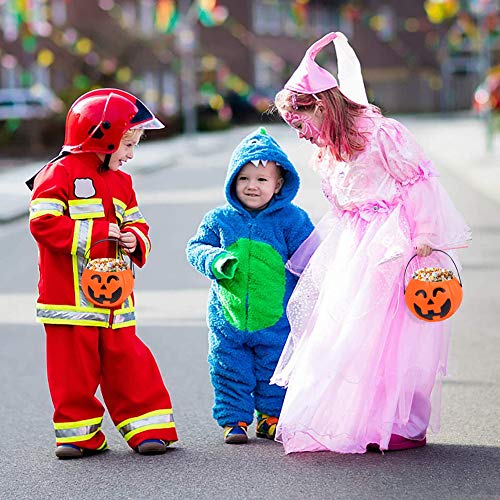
209 64
213 67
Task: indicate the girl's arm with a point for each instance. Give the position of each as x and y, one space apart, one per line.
434 220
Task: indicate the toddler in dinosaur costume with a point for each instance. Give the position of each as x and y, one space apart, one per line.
243 247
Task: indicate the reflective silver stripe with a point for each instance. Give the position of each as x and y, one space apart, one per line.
83 237
78 431
155 419
46 206
132 215
85 211
119 212
41 206
124 315
83 241
70 314
128 303
122 318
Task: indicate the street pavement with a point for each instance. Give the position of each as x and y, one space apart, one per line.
177 181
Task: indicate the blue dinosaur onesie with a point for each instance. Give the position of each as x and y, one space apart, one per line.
244 254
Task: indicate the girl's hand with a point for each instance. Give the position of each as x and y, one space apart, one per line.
128 241
424 250
114 231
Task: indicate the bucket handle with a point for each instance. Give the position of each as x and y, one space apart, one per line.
120 252
434 250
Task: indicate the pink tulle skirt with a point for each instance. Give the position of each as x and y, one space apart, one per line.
358 365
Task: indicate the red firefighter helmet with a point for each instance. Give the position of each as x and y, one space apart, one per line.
98 119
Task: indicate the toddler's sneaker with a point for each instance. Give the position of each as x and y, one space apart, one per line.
68 451
266 426
236 434
152 447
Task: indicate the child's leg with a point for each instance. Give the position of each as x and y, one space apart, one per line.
73 370
268 398
233 378
133 389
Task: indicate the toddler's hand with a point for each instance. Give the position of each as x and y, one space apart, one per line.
424 250
128 241
114 231
224 266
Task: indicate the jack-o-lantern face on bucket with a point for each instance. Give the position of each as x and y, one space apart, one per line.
107 289
433 300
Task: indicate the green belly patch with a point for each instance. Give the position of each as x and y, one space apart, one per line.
253 299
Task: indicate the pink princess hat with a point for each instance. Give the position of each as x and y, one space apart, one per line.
310 78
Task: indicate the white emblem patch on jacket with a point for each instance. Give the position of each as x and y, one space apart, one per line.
84 188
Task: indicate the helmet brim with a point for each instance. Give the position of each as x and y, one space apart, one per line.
145 118
148 125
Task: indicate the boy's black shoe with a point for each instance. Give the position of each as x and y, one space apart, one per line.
68 451
152 447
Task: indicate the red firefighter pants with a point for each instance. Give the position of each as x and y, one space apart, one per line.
79 359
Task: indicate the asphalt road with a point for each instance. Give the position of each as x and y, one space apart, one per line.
462 461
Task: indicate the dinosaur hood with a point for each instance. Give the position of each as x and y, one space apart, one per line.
259 145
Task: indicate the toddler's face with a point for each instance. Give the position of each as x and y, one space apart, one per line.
255 186
125 152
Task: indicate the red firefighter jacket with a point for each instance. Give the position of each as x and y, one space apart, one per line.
70 210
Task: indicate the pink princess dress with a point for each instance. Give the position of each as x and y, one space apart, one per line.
358 365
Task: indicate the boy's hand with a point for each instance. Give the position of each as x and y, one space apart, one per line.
128 241
424 250
114 231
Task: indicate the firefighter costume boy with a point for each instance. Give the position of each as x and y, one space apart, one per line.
75 200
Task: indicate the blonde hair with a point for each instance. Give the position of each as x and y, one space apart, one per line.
339 118
131 134
134 133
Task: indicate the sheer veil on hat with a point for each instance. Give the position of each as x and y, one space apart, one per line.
310 78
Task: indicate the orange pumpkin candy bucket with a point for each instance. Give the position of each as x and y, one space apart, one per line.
433 293
107 282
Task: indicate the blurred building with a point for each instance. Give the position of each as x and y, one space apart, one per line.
72 46
229 57
410 62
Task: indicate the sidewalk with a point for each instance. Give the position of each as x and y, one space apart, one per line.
456 143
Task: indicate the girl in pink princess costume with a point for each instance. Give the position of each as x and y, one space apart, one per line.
360 370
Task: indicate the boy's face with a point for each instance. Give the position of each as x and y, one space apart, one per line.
255 186
125 152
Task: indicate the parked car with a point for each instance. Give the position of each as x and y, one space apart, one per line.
487 94
27 103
